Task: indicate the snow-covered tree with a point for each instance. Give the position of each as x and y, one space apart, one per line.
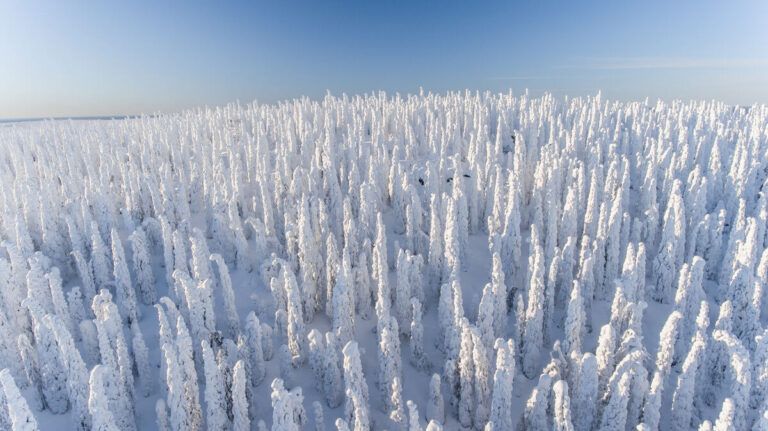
466 377
215 404
725 420
615 413
533 336
76 371
418 357
98 402
241 420
53 377
585 393
126 295
142 266
355 387
228 295
503 378
317 410
435 405
141 359
21 417
254 336
288 412
397 413
333 384
295 327
562 407
574 322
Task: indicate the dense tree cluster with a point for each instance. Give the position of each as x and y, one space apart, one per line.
474 261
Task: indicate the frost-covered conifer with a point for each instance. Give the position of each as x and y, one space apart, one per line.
126 295
356 388
413 416
142 266
397 413
76 309
562 407
241 421
606 345
485 315
585 393
725 420
141 358
403 292
85 272
332 267
201 265
191 397
333 384
615 413
535 414
363 286
682 400
31 371
741 293
76 372
574 322
466 377
215 401
760 372
671 245
310 261
254 337
19 414
317 357
435 405
503 378
286 365
667 339
295 327
60 307
100 259
317 410
228 295
180 262
51 367
500 297
482 390
288 412
533 336
418 357
98 402
343 311
445 316
390 365
435 255
380 271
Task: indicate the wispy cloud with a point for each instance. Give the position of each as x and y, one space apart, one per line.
633 63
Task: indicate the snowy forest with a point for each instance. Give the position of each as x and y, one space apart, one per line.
464 261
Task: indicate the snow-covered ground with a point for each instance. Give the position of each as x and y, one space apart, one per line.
580 263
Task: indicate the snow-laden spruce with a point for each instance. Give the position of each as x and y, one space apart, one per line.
476 261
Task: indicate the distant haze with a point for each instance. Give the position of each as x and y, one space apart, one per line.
93 58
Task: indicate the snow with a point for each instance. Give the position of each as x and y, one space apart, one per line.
208 171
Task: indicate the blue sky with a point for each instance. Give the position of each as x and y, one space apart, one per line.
82 57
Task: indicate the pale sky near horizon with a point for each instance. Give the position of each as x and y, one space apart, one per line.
88 57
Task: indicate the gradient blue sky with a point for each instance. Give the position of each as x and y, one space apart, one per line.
79 57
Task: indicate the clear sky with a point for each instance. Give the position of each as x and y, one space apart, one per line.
80 57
